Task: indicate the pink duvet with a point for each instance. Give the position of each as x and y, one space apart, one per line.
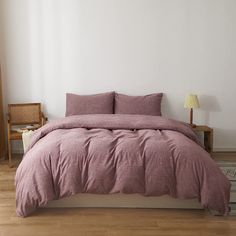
101 154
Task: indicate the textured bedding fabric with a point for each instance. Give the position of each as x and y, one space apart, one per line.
101 103
101 154
138 105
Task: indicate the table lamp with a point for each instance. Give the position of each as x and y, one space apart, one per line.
191 101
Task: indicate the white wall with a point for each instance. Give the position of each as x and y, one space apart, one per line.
51 47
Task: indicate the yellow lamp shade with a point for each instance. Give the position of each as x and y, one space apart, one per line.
191 101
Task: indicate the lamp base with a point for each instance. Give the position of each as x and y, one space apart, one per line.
193 125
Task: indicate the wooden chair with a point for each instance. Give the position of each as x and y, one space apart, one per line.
22 114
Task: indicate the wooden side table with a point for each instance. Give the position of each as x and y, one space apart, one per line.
207 135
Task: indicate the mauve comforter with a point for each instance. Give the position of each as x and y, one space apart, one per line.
101 154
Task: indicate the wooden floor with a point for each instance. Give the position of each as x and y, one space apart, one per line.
107 222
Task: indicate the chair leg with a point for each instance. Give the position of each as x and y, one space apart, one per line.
9 154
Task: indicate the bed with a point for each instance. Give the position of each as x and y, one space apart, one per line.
118 154
115 150
119 200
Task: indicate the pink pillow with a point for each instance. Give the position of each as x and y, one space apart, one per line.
89 104
139 105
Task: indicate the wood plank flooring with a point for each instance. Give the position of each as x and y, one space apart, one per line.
107 222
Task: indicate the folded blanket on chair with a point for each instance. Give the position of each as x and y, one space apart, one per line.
26 135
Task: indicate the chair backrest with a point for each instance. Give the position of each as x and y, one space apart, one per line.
24 113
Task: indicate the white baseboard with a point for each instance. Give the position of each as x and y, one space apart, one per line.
222 149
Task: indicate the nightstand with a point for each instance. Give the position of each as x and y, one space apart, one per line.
207 136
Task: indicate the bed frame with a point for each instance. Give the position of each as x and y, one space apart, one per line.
124 201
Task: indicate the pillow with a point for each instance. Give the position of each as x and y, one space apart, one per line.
139 105
89 104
